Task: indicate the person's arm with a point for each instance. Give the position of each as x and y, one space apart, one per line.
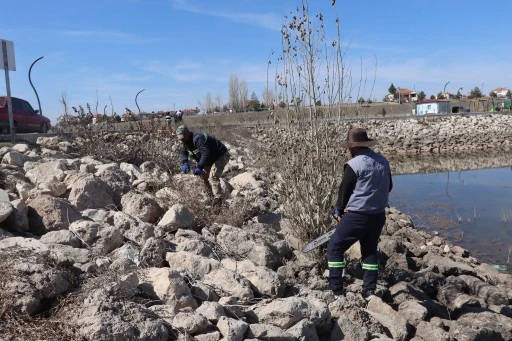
183 155
347 186
390 182
206 155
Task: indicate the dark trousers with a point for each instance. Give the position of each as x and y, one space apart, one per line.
354 226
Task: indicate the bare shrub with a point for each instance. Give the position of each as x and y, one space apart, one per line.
132 142
304 144
309 173
234 213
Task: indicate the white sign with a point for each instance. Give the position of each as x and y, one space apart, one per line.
9 53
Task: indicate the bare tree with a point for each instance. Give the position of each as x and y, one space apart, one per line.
208 103
310 71
234 92
243 93
268 97
218 102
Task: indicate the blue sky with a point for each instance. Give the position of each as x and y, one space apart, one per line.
178 50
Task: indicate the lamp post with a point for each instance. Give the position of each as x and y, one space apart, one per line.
444 89
140 117
30 81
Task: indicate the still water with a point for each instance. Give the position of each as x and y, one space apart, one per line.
470 208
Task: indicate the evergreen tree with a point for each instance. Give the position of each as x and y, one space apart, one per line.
475 93
392 89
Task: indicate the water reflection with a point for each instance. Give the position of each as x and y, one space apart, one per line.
471 208
413 163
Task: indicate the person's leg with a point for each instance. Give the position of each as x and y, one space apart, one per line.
216 173
346 234
369 251
205 174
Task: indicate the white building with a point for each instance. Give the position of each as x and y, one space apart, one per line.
432 107
501 92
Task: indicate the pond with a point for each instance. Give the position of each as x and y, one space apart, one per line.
469 208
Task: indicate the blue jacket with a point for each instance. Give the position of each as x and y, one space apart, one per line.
204 149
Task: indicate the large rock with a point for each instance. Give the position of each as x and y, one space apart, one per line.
257 247
263 331
388 317
283 313
107 314
15 158
190 323
232 329
169 286
153 252
64 237
142 206
304 330
42 172
266 281
6 209
117 181
178 216
27 284
86 230
18 219
190 264
229 283
88 192
213 311
46 213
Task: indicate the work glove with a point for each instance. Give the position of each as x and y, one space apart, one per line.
198 171
336 214
185 168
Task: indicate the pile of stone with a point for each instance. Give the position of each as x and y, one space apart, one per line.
125 263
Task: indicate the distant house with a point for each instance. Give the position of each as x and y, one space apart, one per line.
406 95
501 92
432 107
448 95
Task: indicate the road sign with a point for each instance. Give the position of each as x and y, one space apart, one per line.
7 61
8 64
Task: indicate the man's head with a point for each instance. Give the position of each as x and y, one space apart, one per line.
357 139
183 133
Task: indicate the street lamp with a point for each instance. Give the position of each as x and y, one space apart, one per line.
140 117
444 89
30 81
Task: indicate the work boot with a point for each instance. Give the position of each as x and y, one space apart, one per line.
368 294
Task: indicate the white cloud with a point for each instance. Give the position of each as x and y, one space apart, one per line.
271 21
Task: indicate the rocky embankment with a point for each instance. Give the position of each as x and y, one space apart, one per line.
93 246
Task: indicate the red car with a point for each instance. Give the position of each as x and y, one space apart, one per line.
26 119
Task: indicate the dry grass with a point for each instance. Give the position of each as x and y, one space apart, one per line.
15 325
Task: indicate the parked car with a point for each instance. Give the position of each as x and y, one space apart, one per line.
26 119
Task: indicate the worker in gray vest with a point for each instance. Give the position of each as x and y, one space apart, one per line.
360 210
211 157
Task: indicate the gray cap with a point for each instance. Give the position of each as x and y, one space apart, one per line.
180 131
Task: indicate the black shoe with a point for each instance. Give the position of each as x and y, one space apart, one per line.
367 294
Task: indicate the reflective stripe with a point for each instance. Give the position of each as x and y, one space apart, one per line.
336 264
196 151
372 267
